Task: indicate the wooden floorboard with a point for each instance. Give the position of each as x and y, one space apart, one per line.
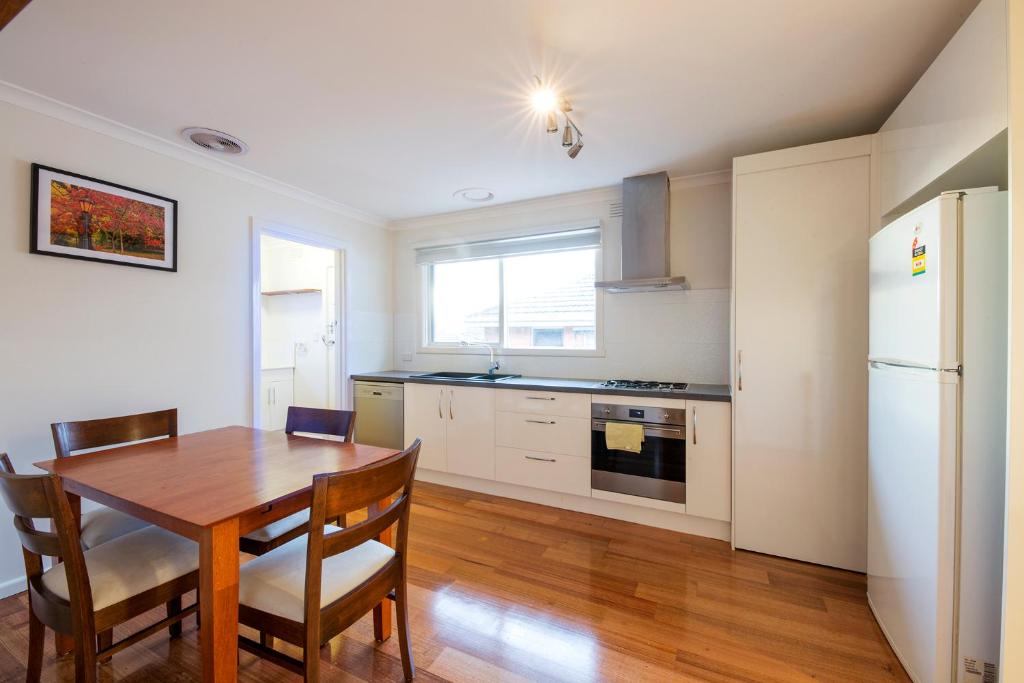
502 590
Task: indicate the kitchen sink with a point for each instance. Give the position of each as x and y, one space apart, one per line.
466 376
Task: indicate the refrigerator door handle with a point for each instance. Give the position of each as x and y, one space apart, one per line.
959 369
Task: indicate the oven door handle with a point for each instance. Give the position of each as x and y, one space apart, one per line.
599 425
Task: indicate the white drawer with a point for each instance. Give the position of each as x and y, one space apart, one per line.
543 402
548 471
544 433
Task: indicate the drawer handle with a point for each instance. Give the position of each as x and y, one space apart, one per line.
540 398
542 422
530 457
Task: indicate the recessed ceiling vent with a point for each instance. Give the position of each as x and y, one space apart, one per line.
215 141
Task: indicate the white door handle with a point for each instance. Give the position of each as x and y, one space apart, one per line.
440 393
451 404
739 371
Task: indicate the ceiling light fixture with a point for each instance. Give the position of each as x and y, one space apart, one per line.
548 103
474 194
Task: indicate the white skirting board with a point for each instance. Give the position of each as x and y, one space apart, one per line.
662 519
12 586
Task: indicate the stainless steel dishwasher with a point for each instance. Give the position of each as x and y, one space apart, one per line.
380 414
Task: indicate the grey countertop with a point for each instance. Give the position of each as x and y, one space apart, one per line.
696 392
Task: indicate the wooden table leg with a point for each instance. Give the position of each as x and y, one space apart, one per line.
64 643
218 601
382 612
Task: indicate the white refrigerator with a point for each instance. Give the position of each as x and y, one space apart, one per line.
937 434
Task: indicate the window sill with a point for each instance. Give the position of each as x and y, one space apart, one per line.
499 353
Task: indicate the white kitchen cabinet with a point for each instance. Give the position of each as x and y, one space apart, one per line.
800 232
709 459
544 432
424 419
456 425
558 403
469 437
540 470
277 389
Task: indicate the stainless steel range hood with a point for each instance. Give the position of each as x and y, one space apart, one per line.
645 238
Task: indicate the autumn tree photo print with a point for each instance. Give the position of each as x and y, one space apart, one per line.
90 219
79 217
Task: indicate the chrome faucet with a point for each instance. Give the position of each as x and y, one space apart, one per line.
494 365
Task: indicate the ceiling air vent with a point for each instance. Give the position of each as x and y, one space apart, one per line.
215 141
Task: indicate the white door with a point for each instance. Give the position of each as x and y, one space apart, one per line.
469 437
425 419
913 279
800 386
911 511
709 459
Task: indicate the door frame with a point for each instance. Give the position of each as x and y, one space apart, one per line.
260 229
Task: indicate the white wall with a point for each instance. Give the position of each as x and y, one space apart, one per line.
83 340
1012 668
680 336
954 108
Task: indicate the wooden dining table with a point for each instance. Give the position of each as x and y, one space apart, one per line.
212 487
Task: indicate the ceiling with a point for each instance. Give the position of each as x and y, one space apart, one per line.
390 106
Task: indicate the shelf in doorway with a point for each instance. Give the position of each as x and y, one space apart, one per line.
282 292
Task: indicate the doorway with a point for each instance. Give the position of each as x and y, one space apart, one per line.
298 316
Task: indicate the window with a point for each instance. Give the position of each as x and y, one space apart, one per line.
526 293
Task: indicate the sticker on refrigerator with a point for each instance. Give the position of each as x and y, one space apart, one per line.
918 260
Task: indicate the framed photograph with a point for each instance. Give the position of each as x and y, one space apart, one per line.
75 216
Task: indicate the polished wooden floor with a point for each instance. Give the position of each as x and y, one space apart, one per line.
508 591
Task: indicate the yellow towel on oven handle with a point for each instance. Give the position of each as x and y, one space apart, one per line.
620 436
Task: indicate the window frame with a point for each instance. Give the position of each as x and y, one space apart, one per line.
425 345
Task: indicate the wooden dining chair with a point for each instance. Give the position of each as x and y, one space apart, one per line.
104 524
314 587
335 423
91 591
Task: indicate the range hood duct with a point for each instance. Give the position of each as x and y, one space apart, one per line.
645 238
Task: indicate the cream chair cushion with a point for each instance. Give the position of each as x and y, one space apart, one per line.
106 524
130 565
280 527
276 582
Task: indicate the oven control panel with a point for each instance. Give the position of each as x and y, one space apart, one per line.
645 414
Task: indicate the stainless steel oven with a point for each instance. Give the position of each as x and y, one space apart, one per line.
658 470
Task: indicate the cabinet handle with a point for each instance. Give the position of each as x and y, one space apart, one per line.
739 371
440 393
540 398
451 404
530 457
542 422
695 425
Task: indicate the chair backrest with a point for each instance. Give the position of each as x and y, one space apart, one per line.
69 437
41 496
337 494
321 421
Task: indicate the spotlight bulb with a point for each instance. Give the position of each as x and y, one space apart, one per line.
552 122
575 149
544 100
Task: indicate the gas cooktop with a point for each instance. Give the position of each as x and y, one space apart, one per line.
644 385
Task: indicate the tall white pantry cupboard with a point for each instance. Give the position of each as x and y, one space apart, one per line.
801 222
